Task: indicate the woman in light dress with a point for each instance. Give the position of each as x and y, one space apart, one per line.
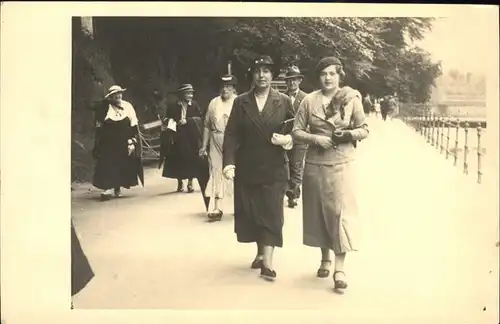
219 109
331 120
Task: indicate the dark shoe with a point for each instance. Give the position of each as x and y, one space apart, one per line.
267 274
180 188
292 203
105 197
190 188
322 272
118 193
257 264
215 217
339 284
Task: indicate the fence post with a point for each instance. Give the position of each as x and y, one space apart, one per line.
457 126
466 148
433 128
479 153
426 123
448 124
422 122
416 120
438 132
428 135
441 147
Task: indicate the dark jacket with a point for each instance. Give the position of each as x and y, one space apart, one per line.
100 111
296 104
247 139
179 149
194 110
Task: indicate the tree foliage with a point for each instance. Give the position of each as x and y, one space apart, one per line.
376 52
143 54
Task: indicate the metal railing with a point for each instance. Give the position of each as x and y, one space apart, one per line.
448 135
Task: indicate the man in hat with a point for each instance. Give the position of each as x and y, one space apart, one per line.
296 155
182 161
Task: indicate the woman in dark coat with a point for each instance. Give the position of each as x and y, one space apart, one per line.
182 160
81 272
254 155
117 146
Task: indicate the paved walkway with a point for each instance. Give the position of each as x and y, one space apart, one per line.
429 246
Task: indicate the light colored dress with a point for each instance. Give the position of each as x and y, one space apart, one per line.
216 120
330 213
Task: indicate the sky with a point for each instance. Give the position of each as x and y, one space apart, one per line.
458 42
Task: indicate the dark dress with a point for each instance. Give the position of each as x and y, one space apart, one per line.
182 161
81 272
114 167
261 173
388 107
181 158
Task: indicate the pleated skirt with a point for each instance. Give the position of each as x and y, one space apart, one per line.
330 211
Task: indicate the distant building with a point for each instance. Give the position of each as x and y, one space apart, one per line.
455 90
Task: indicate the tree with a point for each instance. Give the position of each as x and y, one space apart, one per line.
147 53
163 52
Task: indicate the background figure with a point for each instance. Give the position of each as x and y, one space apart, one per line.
376 107
216 119
81 271
158 106
160 110
182 160
388 107
330 120
367 104
117 146
297 154
254 155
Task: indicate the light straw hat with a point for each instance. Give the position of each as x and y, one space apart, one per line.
114 89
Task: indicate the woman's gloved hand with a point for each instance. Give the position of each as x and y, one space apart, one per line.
324 141
202 152
284 141
229 172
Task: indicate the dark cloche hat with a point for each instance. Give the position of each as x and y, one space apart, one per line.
326 62
263 60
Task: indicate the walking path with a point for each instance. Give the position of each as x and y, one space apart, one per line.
429 250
